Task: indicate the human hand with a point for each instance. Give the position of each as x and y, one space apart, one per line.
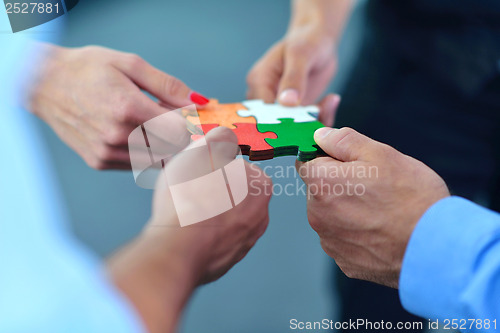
229 236
92 98
364 202
297 69
160 269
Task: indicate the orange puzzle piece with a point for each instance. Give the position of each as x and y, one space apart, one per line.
222 114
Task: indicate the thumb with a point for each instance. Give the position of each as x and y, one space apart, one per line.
294 80
222 146
214 151
346 144
168 89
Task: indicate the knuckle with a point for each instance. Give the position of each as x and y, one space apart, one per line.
251 77
315 223
299 50
255 76
134 62
116 137
104 153
295 75
171 85
346 137
91 49
125 109
389 152
348 272
96 164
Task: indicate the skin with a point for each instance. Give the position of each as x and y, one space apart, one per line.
93 98
160 269
299 67
367 233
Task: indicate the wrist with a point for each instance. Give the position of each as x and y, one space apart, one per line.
313 21
48 56
326 16
156 280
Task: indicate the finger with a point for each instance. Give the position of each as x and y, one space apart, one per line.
293 84
328 108
202 157
161 85
346 144
114 166
264 78
317 169
262 91
318 81
163 136
222 146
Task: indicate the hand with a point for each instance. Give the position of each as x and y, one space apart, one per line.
159 270
92 99
297 69
364 202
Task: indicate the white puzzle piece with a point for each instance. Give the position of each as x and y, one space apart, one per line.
271 113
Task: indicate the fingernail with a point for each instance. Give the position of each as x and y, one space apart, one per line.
322 133
331 103
289 97
198 98
337 99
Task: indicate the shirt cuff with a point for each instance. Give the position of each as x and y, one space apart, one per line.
441 255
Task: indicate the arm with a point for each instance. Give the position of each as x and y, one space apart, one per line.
298 68
330 15
402 229
451 268
159 271
157 282
93 98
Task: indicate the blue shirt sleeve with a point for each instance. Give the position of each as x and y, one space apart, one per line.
49 282
451 268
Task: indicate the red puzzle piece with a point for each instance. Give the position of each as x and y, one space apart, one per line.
252 142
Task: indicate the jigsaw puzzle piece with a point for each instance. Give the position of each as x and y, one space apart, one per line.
205 128
252 142
222 114
294 138
272 113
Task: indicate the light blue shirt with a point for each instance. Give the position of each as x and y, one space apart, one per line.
48 281
451 268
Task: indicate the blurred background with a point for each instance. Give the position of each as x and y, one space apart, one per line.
210 45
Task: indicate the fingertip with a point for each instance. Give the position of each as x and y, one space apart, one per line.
328 108
222 134
321 134
336 100
289 97
198 98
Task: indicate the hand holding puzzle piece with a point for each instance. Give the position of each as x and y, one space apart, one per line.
264 131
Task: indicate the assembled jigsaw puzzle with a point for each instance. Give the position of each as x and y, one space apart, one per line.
264 131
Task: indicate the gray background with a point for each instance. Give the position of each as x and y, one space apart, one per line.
210 45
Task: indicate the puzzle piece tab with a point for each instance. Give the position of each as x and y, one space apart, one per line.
221 114
271 113
294 138
252 142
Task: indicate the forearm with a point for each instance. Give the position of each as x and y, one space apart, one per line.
155 280
331 15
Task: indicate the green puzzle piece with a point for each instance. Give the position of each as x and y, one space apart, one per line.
296 139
